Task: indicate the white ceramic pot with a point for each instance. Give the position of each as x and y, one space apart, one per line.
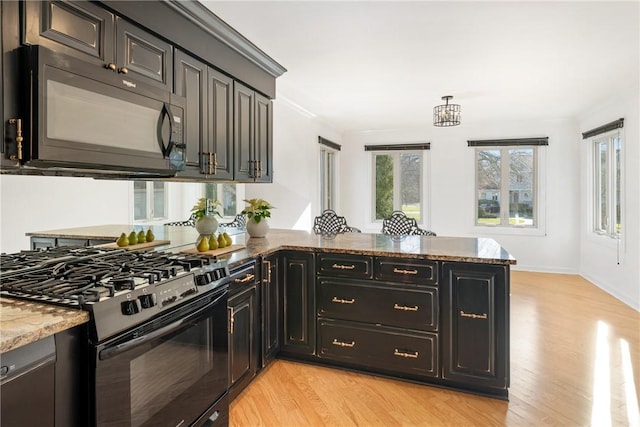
257 229
207 225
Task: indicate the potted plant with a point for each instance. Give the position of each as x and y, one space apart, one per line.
257 212
204 213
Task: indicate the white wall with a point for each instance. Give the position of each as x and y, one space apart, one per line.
614 269
295 189
451 187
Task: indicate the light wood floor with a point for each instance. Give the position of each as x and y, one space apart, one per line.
575 361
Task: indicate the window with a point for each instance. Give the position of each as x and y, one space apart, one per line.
397 184
149 201
607 152
506 186
226 194
328 164
327 179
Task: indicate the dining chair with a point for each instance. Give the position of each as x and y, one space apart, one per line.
191 222
330 223
240 221
399 224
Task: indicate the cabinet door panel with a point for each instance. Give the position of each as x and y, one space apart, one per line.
270 309
191 82
476 326
220 123
81 29
144 55
299 303
244 132
243 338
374 346
264 138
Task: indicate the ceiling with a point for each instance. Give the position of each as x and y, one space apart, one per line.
378 65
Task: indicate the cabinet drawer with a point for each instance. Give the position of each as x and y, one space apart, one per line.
346 265
392 305
379 348
421 272
243 275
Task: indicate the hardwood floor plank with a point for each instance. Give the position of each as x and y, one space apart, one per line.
571 347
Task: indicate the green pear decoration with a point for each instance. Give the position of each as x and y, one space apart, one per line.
122 240
221 242
203 245
227 238
133 238
213 242
142 238
150 236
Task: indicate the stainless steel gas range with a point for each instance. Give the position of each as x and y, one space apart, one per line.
157 339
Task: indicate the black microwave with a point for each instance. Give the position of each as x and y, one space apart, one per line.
84 117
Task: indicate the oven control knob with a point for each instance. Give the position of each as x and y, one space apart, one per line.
148 300
131 307
201 279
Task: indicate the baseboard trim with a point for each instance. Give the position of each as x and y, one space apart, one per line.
538 269
627 299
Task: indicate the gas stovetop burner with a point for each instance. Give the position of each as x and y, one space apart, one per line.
119 288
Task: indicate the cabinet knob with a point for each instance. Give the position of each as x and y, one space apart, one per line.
123 70
110 66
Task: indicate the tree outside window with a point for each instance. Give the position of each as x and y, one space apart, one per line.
398 184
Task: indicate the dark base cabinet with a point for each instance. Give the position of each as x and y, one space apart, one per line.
244 338
476 325
271 309
297 288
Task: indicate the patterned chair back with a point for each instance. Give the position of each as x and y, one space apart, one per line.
329 223
240 221
191 222
399 224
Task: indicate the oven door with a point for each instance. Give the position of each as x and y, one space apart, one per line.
87 117
167 372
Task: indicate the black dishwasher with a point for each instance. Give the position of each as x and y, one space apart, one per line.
27 385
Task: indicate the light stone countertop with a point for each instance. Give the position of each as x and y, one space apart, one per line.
23 322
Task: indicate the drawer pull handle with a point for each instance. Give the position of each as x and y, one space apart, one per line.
413 355
343 344
343 267
403 271
247 278
343 301
473 315
405 307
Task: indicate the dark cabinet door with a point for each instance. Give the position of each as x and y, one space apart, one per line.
143 55
476 324
244 335
78 28
263 151
243 131
191 82
298 292
219 152
270 309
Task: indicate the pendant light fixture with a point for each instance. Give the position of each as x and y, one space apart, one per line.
447 114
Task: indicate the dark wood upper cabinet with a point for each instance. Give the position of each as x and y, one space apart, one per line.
143 55
80 29
219 147
93 34
191 82
253 134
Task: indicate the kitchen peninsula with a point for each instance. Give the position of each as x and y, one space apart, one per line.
432 310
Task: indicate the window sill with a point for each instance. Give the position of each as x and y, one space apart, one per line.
507 231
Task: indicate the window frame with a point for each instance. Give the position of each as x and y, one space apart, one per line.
150 203
424 189
539 185
607 138
328 178
219 189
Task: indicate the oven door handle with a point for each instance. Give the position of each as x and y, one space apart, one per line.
191 319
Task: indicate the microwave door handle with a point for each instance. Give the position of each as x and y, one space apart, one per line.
165 112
